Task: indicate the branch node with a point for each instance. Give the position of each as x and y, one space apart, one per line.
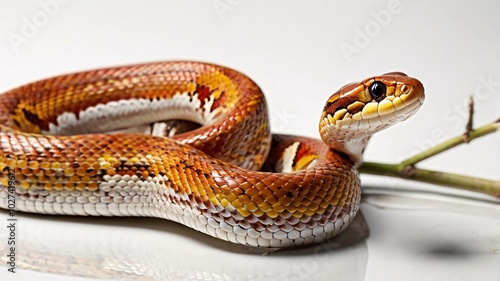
470 122
408 171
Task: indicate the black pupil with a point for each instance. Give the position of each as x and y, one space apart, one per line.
377 90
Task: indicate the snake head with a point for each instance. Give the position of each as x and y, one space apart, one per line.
361 109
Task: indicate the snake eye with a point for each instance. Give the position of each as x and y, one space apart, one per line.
377 90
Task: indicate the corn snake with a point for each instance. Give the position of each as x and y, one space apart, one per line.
306 192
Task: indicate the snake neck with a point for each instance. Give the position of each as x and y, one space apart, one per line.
353 148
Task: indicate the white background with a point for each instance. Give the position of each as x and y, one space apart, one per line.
296 51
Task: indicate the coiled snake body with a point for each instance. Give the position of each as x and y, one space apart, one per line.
53 143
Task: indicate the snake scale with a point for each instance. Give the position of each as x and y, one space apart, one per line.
95 143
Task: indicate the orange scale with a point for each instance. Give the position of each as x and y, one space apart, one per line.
278 207
26 172
58 186
297 214
324 204
231 196
11 163
33 165
310 196
92 185
24 184
258 199
272 214
258 213
297 202
309 212
302 208
291 208
48 186
55 166
306 203
244 198
344 197
81 171
328 197
322 193
264 206
266 193
252 192
38 172
49 173
236 203
317 199
45 165
320 211
69 186
243 212
42 178
313 207
81 186
22 164
69 172
272 200
286 201
251 206
111 172
85 179
85 165
280 193
74 178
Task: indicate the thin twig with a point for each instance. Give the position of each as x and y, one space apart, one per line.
470 121
485 186
407 170
451 143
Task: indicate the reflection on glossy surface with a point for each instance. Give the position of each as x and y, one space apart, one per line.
459 202
154 249
426 235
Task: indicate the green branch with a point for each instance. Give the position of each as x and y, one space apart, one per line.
407 169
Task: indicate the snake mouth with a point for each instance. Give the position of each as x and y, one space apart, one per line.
373 104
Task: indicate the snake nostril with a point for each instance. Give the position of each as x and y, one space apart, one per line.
377 90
